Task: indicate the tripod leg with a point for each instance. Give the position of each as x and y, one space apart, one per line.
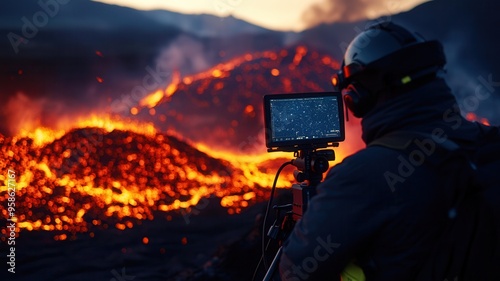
274 266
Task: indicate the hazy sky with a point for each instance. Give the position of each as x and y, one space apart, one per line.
280 14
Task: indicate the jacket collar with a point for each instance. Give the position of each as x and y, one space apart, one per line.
420 109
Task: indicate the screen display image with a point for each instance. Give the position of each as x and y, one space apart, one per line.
303 119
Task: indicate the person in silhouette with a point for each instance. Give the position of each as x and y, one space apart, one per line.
381 209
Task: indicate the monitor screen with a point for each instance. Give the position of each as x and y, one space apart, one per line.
303 120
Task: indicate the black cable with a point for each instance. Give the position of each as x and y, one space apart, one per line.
260 260
267 212
264 247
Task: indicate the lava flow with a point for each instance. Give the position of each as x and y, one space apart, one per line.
223 105
104 171
103 176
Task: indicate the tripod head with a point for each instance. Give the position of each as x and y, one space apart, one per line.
311 164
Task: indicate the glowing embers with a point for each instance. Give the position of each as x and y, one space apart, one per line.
235 203
91 178
471 116
258 61
41 136
152 99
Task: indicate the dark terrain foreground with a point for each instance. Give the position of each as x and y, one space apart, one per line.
209 245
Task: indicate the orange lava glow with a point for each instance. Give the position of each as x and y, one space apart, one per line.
471 116
103 171
153 99
223 70
116 173
42 135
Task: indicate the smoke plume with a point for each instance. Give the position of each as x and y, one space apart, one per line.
184 54
329 11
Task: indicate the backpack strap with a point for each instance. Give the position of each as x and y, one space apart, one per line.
462 251
446 157
402 140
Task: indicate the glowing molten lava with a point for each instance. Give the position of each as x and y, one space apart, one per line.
118 173
471 116
102 171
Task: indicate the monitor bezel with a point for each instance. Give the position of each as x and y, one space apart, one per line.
295 145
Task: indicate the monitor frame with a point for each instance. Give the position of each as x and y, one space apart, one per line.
296 145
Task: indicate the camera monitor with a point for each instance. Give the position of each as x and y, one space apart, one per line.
303 120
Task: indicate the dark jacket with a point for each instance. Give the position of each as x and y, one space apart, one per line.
364 212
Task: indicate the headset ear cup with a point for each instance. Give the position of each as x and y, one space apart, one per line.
357 99
351 99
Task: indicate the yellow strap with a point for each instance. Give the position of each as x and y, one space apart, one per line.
406 80
352 272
